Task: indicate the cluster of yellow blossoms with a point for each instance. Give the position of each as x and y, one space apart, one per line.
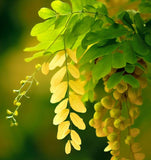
67 90
115 114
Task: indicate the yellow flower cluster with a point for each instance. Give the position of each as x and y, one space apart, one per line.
67 90
115 114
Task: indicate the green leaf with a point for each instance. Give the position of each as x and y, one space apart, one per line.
61 21
76 5
124 16
114 79
61 7
114 31
42 27
131 80
145 7
118 60
139 46
39 47
83 26
129 53
129 68
102 68
148 38
36 55
139 23
97 51
46 13
80 51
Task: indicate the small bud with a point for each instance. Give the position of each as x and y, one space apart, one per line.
108 102
18 104
97 115
15 91
115 113
91 122
38 66
16 113
22 82
37 83
15 101
9 112
98 107
27 77
23 93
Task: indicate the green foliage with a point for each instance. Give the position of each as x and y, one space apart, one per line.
131 80
114 49
114 79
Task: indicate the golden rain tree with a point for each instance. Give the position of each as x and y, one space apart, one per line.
86 45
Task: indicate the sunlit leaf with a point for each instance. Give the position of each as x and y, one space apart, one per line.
61 116
61 7
77 121
68 147
57 60
76 103
75 137
59 92
46 13
62 129
77 86
74 71
42 27
75 145
62 105
45 68
57 78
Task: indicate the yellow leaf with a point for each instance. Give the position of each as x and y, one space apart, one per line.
76 103
75 145
61 116
72 55
75 137
45 68
68 147
57 78
62 105
73 71
57 61
62 129
77 121
77 86
59 92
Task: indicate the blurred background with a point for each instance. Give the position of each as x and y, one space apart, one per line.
35 137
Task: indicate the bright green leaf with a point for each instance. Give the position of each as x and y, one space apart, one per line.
61 7
36 55
42 27
46 13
